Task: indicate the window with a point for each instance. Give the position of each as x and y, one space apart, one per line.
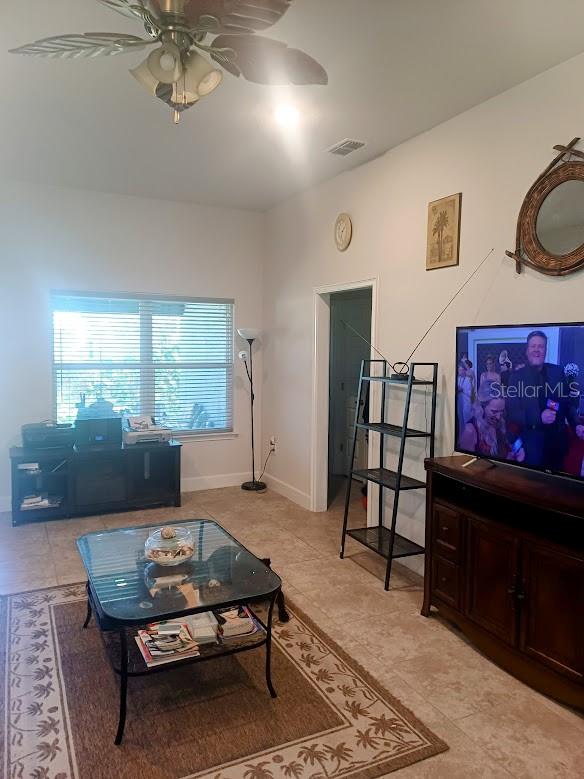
171 359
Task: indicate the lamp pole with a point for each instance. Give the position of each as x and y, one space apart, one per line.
253 485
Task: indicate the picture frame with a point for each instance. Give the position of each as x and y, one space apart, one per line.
443 234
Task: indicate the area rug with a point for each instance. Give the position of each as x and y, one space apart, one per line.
212 720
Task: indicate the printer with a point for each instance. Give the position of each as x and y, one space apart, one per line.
48 435
143 430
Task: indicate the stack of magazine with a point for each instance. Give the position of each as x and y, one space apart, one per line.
170 641
166 642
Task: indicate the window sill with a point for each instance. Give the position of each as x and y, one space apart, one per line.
189 438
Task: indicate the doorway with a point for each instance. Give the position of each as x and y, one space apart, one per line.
319 443
350 336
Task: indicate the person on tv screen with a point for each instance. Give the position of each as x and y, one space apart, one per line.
486 433
465 393
574 461
505 366
540 407
490 374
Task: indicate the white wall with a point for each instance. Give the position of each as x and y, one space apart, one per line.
491 154
53 238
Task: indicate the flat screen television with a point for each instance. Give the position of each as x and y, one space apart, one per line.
518 395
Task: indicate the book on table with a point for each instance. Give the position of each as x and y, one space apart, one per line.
203 627
236 622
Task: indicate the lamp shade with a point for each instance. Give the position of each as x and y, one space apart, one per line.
165 63
144 76
200 77
249 333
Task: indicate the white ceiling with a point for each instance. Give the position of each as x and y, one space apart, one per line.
396 68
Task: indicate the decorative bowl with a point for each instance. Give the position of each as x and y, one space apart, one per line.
169 546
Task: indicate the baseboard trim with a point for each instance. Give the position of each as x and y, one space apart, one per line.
288 491
197 483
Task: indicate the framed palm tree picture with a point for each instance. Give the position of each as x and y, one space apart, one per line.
443 240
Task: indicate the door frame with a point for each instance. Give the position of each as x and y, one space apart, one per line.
320 382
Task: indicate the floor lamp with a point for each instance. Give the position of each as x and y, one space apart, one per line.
250 336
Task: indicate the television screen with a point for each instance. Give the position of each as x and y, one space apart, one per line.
518 395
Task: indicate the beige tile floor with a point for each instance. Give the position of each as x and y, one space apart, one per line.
495 725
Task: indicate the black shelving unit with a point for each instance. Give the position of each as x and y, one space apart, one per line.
385 541
94 481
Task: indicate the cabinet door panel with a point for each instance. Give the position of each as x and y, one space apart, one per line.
445 581
99 480
552 619
152 474
447 532
492 566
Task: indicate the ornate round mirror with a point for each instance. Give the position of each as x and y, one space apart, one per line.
550 228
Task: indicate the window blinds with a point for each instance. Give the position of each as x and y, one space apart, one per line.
127 355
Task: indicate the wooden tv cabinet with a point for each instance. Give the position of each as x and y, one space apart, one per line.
505 563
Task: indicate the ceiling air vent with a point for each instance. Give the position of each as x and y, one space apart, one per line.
348 146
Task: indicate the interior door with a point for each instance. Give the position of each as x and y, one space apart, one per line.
350 312
492 579
552 616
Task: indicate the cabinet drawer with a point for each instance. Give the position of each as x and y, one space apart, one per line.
447 526
445 581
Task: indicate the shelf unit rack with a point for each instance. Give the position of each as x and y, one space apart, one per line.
385 541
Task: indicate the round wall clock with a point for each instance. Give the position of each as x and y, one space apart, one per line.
343 232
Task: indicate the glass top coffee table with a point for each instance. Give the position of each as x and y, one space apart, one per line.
126 591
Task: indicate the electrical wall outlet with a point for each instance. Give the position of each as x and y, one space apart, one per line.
273 444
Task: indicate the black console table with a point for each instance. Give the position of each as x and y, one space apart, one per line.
505 562
94 481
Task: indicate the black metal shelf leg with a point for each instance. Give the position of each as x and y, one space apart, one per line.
269 648
346 515
391 541
89 611
349 475
123 686
398 477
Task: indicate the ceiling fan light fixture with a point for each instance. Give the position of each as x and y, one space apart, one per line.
201 77
165 63
182 95
143 76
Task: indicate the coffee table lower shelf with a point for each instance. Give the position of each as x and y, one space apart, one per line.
137 666
127 661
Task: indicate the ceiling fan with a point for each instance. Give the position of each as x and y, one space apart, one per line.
175 71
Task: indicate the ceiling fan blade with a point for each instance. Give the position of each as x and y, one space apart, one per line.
266 61
130 8
91 44
208 24
235 16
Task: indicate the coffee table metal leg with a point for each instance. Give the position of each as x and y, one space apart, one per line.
89 612
283 615
269 648
123 686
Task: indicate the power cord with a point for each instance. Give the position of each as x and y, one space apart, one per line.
426 416
270 453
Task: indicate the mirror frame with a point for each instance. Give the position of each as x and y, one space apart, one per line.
529 250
